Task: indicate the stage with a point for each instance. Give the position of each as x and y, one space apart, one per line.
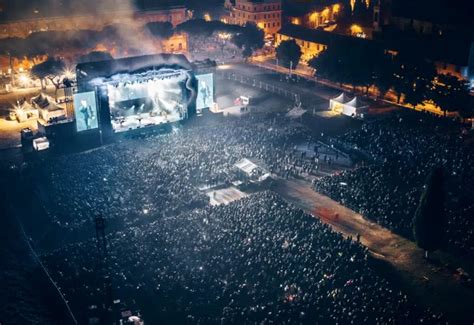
225 196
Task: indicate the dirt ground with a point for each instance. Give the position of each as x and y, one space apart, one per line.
430 283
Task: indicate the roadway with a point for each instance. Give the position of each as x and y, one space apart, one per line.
302 70
431 283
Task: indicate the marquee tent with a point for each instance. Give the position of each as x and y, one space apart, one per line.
344 105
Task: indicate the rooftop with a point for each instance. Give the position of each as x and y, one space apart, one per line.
454 50
315 35
31 9
105 69
452 12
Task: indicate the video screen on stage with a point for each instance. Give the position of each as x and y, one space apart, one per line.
148 101
85 111
205 97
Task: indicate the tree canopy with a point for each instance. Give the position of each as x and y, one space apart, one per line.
52 67
429 224
349 61
95 56
289 53
159 29
250 38
450 93
414 76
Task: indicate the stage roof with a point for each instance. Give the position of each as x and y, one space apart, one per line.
105 69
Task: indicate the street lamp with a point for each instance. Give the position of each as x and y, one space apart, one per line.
24 80
68 73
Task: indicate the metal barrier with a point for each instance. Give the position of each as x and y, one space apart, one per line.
260 85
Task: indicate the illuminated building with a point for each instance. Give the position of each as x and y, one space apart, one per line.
266 14
311 41
316 16
442 33
15 23
24 27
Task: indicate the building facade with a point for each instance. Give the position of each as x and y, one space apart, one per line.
317 16
311 41
23 28
266 14
444 35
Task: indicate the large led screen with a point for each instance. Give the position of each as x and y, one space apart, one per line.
85 111
205 97
148 101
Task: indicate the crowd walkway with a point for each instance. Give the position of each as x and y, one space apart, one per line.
433 284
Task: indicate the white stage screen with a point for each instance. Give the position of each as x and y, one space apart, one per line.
85 111
148 101
205 97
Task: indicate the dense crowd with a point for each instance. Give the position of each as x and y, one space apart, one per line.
255 261
159 175
217 47
258 260
404 149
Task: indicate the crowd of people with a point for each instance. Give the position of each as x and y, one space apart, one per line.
254 261
159 175
257 260
404 148
217 47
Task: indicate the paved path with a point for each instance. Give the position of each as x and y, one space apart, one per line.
434 285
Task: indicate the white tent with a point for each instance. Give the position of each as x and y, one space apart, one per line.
336 104
251 170
47 107
342 104
355 107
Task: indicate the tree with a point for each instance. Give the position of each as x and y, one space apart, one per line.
200 27
384 78
414 77
348 61
51 69
429 223
250 38
289 53
450 93
162 30
95 56
326 65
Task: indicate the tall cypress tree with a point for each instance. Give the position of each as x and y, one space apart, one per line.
429 223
